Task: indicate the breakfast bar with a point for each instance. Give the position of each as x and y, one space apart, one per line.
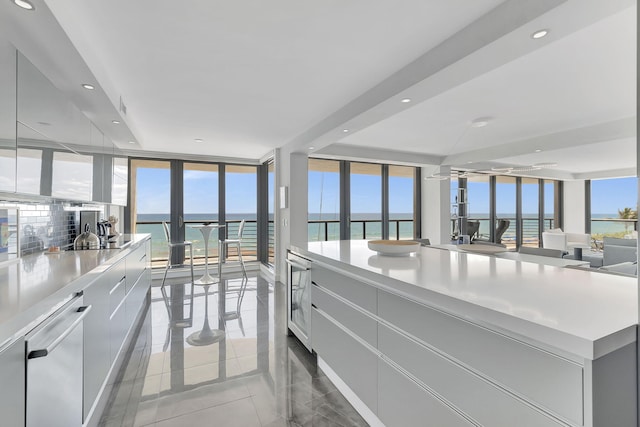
468 339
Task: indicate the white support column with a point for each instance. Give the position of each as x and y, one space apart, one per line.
574 207
436 206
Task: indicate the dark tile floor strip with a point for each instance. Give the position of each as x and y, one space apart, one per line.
227 362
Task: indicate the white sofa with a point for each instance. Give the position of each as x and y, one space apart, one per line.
558 239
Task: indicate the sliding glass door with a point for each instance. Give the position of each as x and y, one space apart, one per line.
188 193
150 204
200 204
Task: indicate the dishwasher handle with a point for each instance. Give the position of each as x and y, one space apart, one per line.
42 352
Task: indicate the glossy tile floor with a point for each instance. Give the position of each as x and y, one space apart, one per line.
227 362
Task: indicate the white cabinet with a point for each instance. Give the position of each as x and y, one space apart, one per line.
8 117
354 363
412 363
115 307
12 378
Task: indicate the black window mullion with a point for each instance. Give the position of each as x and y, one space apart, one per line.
540 210
262 217
385 202
417 203
345 200
493 217
587 206
519 222
177 209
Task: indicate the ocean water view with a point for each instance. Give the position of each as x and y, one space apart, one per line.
363 226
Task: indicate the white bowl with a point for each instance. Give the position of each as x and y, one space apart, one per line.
393 247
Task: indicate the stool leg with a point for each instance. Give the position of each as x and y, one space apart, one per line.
166 268
244 271
191 258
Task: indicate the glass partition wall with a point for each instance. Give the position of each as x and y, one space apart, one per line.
323 200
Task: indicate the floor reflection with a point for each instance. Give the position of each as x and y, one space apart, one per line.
219 355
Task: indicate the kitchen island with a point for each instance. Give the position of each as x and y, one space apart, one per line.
452 338
41 293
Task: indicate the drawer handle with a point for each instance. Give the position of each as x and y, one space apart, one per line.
34 354
120 282
143 257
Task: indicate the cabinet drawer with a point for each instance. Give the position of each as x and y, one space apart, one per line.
355 364
118 328
403 403
136 264
136 296
359 293
480 400
116 294
357 322
551 381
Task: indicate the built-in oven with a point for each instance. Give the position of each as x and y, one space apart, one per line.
54 368
299 298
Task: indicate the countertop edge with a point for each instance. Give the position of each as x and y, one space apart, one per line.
18 326
519 329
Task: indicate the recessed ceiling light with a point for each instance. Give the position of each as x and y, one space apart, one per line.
132 142
115 122
480 122
539 34
88 86
469 162
538 150
345 130
24 4
311 148
198 140
405 100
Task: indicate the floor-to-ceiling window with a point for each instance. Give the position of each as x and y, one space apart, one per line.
478 203
151 202
506 207
380 200
188 193
271 206
519 208
200 204
366 201
614 207
241 203
401 202
324 200
551 204
530 212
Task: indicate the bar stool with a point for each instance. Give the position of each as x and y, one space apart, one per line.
172 245
224 244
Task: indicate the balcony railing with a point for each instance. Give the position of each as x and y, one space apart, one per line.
612 227
322 230
160 250
529 230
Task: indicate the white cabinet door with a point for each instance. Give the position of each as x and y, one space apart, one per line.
12 378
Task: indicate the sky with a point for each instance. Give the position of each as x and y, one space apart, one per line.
607 195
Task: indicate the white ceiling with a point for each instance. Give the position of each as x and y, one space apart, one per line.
251 76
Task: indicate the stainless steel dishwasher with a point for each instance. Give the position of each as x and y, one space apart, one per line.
54 368
299 298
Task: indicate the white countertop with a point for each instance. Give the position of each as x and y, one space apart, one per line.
584 313
37 284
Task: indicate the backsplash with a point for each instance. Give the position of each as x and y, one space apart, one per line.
46 224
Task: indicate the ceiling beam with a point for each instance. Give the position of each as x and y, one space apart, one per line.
607 131
497 23
356 152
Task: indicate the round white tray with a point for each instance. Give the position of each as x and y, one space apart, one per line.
393 247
